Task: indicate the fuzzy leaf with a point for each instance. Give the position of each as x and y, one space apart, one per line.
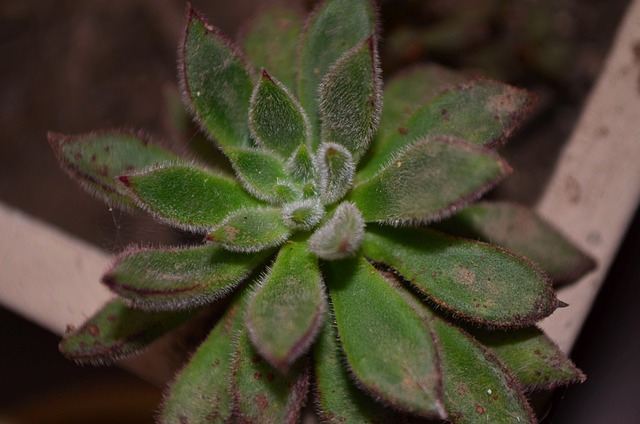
336 169
428 181
216 82
96 159
288 307
351 100
303 214
261 393
277 120
406 92
187 197
475 281
338 398
390 352
533 359
271 41
480 112
335 27
201 391
520 230
117 331
301 167
341 235
263 175
478 388
157 279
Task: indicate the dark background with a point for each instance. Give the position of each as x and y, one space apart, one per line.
76 66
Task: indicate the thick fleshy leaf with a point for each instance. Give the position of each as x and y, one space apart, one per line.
335 27
277 120
96 159
303 214
390 352
117 331
261 393
251 230
336 169
406 92
216 81
187 197
532 358
340 236
271 40
520 230
288 307
480 112
202 390
428 181
263 175
351 100
164 279
477 387
301 167
338 398
473 280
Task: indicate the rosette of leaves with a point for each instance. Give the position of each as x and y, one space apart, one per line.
321 240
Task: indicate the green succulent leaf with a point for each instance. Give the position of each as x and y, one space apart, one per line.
187 197
406 92
96 159
428 181
520 230
303 214
264 175
532 358
276 119
178 278
390 352
271 41
251 230
117 331
338 398
481 112
201 391
336 169
288 307
478 388
475 281
301 167
261 393
334 28
341 235
351 99
216 81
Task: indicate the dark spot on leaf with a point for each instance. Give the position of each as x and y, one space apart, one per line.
70 329
479 409
344 246
445 114
111 317
216 362
403 131
257 376
261 401
103 170
93 158
129 168
256 359
93 330
462 389
107 149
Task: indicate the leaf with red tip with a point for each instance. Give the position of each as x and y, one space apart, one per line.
96 159
388 347
334 28
201 391
481 112
216 81
187 197
475 281
165 279
338 398
287 308
520 230
340 236
428 181
271 40
533 359
351 100
261 393
277 120
117 331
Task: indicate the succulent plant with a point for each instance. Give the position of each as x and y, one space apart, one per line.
345 242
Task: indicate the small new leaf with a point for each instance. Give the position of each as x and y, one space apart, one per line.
276 119
336 169
341 235
303 214
251 230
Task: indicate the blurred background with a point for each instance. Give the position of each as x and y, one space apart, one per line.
76 66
